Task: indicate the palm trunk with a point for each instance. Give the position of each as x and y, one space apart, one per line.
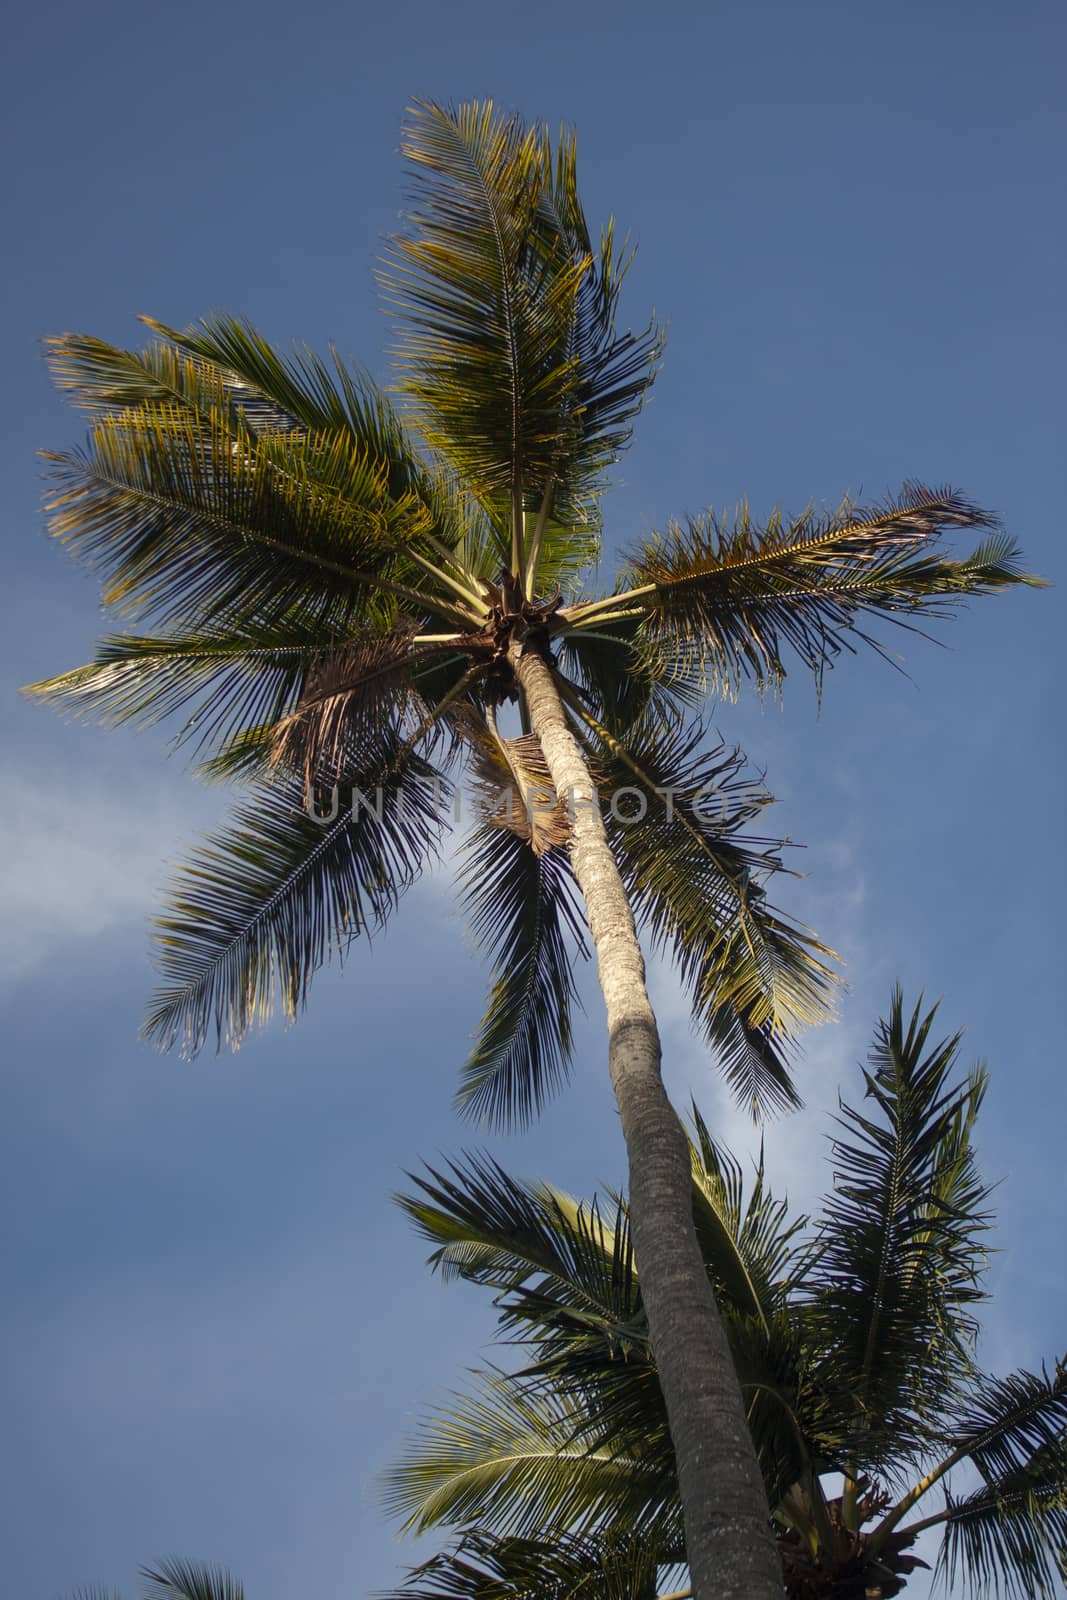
728 1540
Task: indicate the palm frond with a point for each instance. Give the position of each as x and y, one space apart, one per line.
749 1242
225 680
301 394
747 596
524 914
1010 1535
189 519
565 1290
260 907
898 1256
350 694
625 680
189 1580
506 1457
614 371
501 295
1007 1423
492 1229
481 1566
695 880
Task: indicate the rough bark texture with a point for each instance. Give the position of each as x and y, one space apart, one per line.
729 1544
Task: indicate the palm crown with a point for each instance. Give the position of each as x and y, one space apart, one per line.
853 1337
334 589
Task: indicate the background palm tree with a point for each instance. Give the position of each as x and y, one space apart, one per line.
341 599
854 1340
179 1580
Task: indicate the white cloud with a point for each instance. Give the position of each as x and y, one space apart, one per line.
80 857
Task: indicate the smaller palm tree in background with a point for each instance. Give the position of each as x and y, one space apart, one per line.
178 1580
854 1340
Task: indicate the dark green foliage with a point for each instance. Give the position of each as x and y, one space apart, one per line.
853 1341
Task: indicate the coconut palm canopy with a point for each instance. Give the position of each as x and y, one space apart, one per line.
854 1336
338 595
324 590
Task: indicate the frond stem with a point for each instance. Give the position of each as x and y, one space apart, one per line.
537 540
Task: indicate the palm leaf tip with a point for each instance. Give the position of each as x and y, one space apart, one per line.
188 1580
500 292
749 596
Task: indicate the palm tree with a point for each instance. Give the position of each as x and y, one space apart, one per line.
854 1340
340 598
178 1580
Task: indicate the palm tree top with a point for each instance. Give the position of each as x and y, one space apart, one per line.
324 586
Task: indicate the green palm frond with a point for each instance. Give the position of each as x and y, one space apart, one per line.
223 358
190 1580
188 519
1010 1536
492 1229
524 915
507 1455
695 880
261 906
481 1566
613 371
625 679
303 392
898 1257
749 1242
746 596
1006 1424
502 298
225 680
566 1291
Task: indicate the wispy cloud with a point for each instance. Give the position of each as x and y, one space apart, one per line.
81 856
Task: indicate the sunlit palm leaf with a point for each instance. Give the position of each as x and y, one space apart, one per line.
225 358
501 295
508 1456
566 1289
187 520
748 596
614 371
749 1241
224 680
260 907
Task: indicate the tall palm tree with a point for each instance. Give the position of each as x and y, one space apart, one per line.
341 597
854 1340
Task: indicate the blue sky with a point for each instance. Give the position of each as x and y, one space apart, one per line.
217 1327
